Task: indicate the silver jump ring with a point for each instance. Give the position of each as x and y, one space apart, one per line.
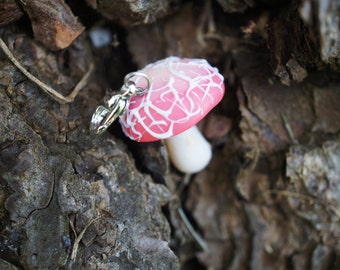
139 90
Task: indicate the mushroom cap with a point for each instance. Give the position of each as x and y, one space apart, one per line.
181 93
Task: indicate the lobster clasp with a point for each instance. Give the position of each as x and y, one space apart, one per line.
103 117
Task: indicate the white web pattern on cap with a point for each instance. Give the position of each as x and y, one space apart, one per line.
200 89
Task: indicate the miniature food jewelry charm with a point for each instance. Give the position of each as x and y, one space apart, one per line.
166 100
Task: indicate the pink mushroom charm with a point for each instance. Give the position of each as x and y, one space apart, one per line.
182 92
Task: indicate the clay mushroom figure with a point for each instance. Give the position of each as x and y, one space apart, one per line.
182 92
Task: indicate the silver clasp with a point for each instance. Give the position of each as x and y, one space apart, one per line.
117 105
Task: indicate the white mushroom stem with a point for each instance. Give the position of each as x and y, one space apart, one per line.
189 151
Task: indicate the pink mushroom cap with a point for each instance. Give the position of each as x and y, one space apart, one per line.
181 93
